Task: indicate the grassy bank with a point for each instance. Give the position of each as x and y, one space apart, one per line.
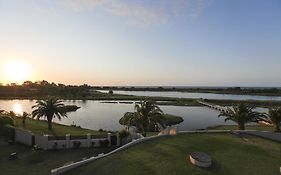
247 127
231 155
41 127
257 103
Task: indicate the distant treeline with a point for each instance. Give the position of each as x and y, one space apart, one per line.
43 88
230 90
40 89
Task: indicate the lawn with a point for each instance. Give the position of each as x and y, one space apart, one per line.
41 127
39 163
231 155
247 127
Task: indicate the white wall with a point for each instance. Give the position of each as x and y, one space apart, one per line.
23 136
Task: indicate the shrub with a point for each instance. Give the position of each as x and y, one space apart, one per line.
110 91
6 120
8 132
36 148
104 143
123 133
6 127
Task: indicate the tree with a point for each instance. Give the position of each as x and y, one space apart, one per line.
24 116
12 114
273 117
7 118
2 111
110 91
241 114
147 114
50 108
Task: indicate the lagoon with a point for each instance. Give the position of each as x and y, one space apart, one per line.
99 115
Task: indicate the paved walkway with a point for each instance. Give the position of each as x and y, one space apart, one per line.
264 134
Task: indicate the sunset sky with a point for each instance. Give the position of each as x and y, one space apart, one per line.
142 42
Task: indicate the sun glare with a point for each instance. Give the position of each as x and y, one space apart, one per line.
17 109
17 72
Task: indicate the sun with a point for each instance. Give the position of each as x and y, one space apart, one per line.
17 72
17 108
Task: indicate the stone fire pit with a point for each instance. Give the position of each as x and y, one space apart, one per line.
200 159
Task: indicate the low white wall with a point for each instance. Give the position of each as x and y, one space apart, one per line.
64 144
56 144
23 136
41 141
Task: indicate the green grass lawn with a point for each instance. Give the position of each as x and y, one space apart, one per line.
231 156
41 127
247 127
39 163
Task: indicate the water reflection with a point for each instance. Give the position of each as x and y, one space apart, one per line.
17 109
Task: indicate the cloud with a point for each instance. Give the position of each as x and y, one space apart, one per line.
142 12
138 14
81 5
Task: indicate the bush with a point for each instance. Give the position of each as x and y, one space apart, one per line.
6 120
8 132
110 91
123 133
104 143
6 127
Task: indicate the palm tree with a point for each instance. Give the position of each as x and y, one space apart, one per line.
147 114
241 114
12 114
50 108
273 117
9 116
24 116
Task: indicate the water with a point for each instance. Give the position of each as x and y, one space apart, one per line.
197 95
96 115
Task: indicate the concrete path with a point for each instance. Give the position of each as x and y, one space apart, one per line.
264 134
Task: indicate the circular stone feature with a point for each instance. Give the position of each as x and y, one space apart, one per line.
200 159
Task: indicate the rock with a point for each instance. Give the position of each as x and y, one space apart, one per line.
200 159
13 156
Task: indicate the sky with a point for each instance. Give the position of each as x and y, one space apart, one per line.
141 42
